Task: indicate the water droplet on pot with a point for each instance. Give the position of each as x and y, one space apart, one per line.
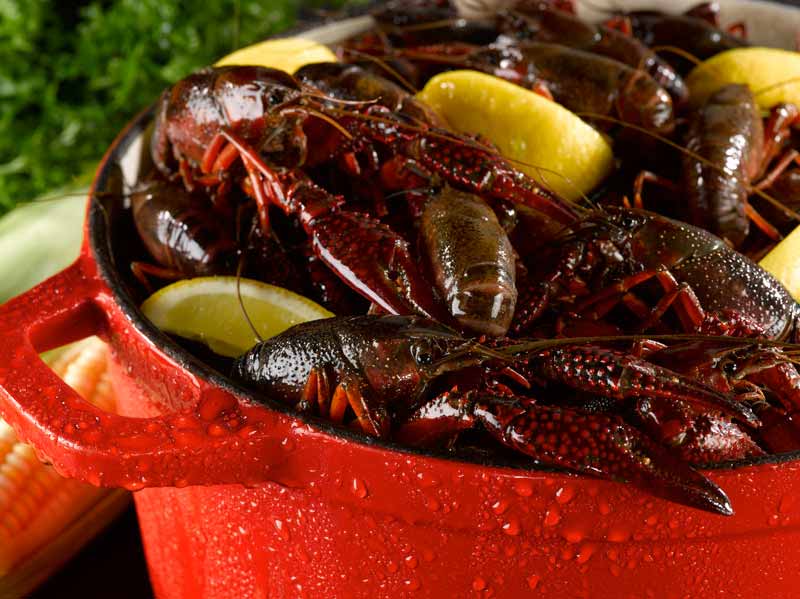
411 562
512 527
552 516
500 506
533 581
585 553
673 523
565 494
479 583
786 504
432 504
523 487
282 529
359 488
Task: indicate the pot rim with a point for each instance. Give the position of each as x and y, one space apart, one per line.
98 239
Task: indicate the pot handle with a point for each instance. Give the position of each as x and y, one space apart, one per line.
219 441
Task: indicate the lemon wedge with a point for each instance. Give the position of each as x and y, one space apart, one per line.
773 75
547 141
207 309
287 54
783 263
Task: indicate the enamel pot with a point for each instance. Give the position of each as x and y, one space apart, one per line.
243 500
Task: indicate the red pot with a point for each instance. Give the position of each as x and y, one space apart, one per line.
293 507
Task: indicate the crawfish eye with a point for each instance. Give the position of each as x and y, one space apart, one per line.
422 354
425 352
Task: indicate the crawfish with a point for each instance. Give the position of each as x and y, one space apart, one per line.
276 125
581 81
188 236
729 149
533 21
472 261
390 377
182 231
614 259
696 31
765 377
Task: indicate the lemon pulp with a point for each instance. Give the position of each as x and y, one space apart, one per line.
783 263
207 309
773 75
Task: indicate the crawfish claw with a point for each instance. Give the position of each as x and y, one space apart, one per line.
552 436
620 375
374 261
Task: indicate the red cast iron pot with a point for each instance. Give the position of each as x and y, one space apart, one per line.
239 500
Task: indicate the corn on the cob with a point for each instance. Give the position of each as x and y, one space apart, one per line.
36 504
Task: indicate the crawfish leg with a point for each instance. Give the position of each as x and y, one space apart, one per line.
621 376
365 253
350 391
679 296
599 444
441 418
141 270
266 186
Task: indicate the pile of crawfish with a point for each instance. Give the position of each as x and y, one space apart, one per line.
629 337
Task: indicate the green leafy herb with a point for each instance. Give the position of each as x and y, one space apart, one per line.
73 73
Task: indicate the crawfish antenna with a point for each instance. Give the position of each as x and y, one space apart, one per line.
239 269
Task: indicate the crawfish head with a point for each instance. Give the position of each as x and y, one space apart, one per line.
385 360
246 101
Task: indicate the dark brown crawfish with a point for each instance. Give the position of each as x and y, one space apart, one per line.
651 266
384 371
696 31
182 231
734 149
188 236
581 81
535 21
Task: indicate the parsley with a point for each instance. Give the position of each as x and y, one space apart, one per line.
73 73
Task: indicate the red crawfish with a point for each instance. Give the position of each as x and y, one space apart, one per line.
634 271
766 377
380 374
256 127
729 149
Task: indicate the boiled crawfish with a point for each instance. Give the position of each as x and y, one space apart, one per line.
256 127
418 382
610 260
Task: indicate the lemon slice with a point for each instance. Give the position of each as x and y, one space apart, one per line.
549 143
287 54
783 263
207 309
772 74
